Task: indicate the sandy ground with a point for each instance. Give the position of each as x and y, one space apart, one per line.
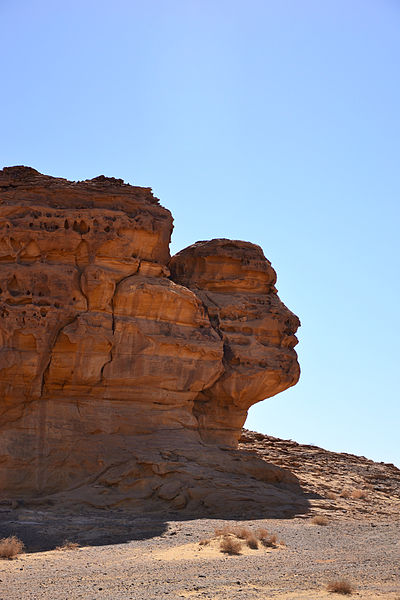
174 564
123 556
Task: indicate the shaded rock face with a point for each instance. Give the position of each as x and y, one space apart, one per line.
122 370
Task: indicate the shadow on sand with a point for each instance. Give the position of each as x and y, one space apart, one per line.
44 524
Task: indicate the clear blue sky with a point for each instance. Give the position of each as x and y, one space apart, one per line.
276 122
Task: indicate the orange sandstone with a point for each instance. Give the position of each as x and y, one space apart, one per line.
122 370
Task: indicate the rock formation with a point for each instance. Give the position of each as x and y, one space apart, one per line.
123 372
236 285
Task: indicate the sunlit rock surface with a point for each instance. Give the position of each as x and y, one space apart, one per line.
124 372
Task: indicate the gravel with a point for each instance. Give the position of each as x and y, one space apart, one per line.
364 552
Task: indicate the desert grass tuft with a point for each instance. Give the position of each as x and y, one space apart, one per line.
252 542
67 545
340 586
243 533
269 541
261 533
231 537
10 547
229 545
204 542
225 530
319 520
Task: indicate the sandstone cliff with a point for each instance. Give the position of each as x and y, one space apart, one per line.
122 371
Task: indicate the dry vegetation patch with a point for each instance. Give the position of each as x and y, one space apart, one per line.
232 539
319 520
356 494
269 541
230 545
252 542
243 533
340 586
10 547
67 545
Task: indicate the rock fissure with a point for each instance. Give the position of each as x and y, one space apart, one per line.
80 273
49 354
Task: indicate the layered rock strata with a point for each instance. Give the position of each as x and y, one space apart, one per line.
122 371
236 285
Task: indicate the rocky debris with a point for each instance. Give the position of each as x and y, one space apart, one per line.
335 483
126 376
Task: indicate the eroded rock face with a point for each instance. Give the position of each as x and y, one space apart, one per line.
120 369
236 284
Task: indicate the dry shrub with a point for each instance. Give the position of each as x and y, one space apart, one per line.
243 533
269 541
340 586
67 545
229 545
222 531
358 494
204 542
240 532
10 547
252 542
331 495
319 520
345 493
262 533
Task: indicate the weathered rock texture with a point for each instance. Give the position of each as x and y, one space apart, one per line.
123 372
236 285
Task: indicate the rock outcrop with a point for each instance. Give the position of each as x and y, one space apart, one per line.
236 285
122 371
